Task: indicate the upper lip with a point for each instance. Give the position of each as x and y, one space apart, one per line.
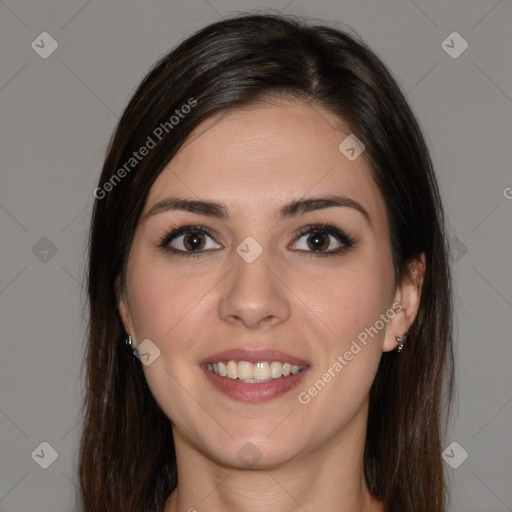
253 356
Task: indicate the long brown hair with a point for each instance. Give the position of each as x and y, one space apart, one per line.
127 460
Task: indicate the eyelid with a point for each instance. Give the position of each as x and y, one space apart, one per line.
323 227
339 234
175 231
346 241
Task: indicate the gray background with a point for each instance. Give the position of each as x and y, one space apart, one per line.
57 116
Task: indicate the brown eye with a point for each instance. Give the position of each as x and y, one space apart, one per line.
193 241
189 241
318 241
323 240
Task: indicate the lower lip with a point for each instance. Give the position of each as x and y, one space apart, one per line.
257 391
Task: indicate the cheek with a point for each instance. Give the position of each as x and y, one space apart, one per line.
169 309
353 301
349 299
164 300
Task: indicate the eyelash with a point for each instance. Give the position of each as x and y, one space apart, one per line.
347 241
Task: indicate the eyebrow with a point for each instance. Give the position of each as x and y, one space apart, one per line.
289 210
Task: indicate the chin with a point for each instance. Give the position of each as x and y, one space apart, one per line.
251 453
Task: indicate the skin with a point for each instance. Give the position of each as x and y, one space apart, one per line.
254 160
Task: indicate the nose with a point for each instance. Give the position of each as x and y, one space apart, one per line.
254 295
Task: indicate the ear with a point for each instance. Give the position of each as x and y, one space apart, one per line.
124 308
406 303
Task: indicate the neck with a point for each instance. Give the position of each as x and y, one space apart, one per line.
329 476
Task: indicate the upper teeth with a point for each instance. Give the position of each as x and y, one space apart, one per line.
246 371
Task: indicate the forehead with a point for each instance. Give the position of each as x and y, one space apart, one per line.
256 158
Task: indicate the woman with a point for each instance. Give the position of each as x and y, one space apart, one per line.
268 241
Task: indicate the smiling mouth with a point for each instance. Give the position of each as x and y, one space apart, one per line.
247 372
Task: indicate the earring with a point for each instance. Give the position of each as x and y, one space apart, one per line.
400 340
128 341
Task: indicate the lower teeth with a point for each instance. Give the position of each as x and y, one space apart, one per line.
253 380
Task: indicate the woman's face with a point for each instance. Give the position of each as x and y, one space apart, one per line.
264 286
